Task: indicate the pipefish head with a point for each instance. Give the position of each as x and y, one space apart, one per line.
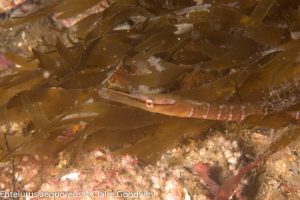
152 102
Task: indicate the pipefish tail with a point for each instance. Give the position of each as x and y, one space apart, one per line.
180 107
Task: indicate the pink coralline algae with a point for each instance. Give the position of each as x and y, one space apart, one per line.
10 4
95 175
98 174
4 62
24 173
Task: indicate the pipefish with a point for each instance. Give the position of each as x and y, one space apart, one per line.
181 107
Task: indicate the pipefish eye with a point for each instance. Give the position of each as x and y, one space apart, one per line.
149 103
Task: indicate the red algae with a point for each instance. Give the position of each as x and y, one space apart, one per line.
4 62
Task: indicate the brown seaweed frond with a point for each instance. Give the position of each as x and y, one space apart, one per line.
218 52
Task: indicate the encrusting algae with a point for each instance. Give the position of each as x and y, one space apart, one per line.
140 76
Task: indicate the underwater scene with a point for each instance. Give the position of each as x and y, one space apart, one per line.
150 99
